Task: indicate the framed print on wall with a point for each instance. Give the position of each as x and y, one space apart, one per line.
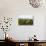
25 20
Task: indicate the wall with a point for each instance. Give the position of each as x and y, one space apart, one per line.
15 8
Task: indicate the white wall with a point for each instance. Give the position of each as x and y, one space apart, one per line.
14 8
